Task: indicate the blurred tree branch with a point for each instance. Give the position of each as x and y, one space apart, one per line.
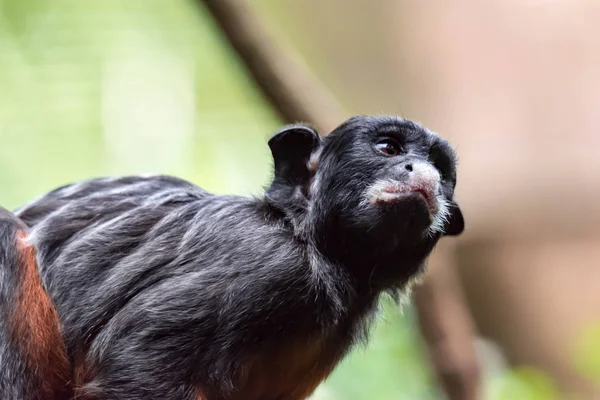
447 327
282 77
297 96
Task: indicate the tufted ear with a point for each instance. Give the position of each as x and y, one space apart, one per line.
292 148
456 221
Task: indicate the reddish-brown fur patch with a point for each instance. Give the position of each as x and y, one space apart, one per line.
82 374
79 373
291 373
200 395
37 327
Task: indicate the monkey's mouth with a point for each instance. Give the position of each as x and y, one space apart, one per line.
427 196
393 192
397 192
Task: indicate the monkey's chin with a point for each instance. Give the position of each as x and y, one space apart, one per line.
405 216
409 204
414 198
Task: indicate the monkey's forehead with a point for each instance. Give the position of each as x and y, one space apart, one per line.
406 129
384 123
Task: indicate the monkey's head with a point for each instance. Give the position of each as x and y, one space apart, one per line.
373 188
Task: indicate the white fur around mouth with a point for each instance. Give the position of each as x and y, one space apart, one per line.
390 191
389 196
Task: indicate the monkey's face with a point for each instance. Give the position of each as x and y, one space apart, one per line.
380 176
390 175
375 195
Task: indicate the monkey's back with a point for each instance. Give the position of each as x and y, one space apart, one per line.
161 265
86 232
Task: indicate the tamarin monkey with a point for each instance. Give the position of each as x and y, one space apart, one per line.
153 288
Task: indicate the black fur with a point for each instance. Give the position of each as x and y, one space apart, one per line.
163 287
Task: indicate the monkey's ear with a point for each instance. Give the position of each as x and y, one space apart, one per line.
456 221
291 148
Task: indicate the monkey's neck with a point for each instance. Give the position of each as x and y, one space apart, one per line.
373 264
374 261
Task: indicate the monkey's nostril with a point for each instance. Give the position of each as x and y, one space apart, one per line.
409 167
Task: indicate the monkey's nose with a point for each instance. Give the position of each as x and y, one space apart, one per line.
408 167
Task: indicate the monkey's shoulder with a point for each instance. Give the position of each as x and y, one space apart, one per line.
98 194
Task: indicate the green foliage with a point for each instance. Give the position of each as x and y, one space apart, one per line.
391 366
587 353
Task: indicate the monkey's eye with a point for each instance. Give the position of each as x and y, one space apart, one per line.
389 147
